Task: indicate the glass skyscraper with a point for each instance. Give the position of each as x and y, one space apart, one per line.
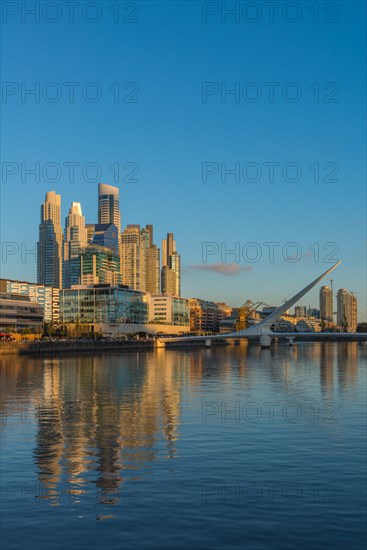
106 235
49 246
109 205
75 240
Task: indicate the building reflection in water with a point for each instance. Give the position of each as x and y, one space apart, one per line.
101 421
98 423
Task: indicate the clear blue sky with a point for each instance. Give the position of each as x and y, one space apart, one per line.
169 132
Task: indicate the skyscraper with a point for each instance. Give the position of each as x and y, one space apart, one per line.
346 310
168 281
133 257
326 304
109 205
171 262
75 239
152 261
49 246
168 247
99 265
107 235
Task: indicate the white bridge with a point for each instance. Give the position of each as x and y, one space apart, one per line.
262 331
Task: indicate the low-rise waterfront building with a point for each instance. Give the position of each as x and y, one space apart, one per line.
309 324
114 310
169 310
46 296
207 316
18 313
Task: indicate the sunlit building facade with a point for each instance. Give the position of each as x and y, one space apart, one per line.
207 316
171 267
326 304
103 304
152 261
347 310
75 240
18 313
99 265
109 205
169 310
133 258
46 296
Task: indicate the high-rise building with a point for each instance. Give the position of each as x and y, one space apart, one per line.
75 240
49 246
109 205
90 232
171 261
153 270
354 313
175 264
152 261
168 247
133 258
99 265
326 304
106 235
168 281
347 310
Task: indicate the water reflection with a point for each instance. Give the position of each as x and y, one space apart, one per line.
102 421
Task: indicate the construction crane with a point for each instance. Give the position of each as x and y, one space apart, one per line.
245 311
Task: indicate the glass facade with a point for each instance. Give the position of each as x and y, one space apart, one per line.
180 312
106 235
103 304
99 265
49 255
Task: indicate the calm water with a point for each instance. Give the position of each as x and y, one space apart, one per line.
231 447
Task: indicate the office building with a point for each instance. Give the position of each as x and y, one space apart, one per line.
90 232
152 261
99 265
171 267
18 314
103 304
46 296
106 235
133 258
169 310
75 240
109 205
49 246
168 281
